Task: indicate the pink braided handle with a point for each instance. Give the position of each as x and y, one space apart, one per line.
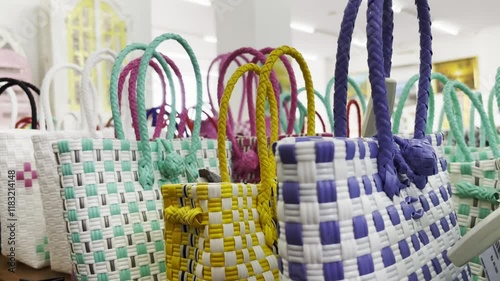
132 68
220 59
294 94
220 88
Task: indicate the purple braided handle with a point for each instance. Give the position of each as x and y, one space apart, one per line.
294 93
386 169
132 68
343 57
342 67
387 33
220 87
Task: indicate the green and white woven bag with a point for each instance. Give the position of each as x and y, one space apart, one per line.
48 177
474 176
110 187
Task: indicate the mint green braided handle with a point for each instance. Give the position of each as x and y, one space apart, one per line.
354 85
404 96
329 111
284 97
451 104
190 161
146 175
495 93
472 126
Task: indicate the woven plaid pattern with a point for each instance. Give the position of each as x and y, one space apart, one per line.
336 223
50 189
470 211
219 237
206 155
19 180
114 226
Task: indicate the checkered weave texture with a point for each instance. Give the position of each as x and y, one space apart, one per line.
50 188
222 239
482 174
114 227
336 222
19 184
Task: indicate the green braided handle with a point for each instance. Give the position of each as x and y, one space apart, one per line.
451 104
495 93
354 85
190 160
404 96
472 130
284 97
323 100
146 176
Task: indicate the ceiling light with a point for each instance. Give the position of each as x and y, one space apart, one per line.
445 27
397 6
210 39
302 27
206 3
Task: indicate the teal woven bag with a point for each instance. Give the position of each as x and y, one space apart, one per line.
474 176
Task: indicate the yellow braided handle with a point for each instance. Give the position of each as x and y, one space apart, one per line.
268 67
185 215
267 164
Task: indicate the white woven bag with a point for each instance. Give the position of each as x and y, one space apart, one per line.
49 180
23 225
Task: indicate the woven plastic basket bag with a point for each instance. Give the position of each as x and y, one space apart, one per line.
372 208
474 180
111 197
227 230
50 186
24 236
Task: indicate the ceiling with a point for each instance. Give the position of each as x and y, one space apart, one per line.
196 21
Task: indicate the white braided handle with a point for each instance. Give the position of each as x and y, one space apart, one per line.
62 121
93 60
46 117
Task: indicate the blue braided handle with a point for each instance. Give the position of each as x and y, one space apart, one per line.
146 175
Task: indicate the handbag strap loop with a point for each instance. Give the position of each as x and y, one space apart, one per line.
27 88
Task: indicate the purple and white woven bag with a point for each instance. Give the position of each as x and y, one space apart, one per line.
373 208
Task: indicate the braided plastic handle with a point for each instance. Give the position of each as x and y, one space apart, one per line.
26 87
85 91
13 107
267 69
495 93
267 164
146 175
293 90
45 110
61 124
261 58
24 123
404 97
350 104
451 103
355 87
191 162
221 58
285 97
343 57
133 69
